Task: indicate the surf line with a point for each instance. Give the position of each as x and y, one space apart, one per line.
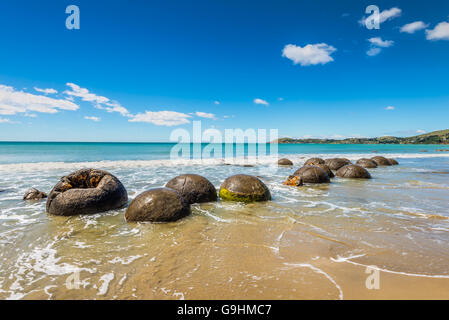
342 259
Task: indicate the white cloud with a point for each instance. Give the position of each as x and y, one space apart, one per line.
217 102
383 16
100 102
3 120
390 108
376 44
95 119
46 91
13 102
205 115
311 54
413 27
440 32
260 101
281 99
377 41
420 131
162 118
373 52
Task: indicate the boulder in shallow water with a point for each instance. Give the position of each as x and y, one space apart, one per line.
336 163
312 174
314 162
326 169
34 194
158 205
244 188
86 191
193 188
293 181
366 163
353 171
285 162
381 161
393 162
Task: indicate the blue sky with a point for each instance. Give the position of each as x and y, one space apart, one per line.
137 70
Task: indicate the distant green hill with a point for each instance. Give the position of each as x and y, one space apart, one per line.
436 137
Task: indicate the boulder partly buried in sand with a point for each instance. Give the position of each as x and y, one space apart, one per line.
393 162
244 188
158 205
312 174
314 162
366 163
86 191
293 181
34 194
336 163
352 171
285 162
193 188
381 161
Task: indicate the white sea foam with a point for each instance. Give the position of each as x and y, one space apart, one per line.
267 160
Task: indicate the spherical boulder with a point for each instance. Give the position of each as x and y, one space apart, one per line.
285 162
34 194
336 163
86 191
366 163
314 162
353 172
244 188
393 162
293 181
381 161
326 169
158 205
193 188
312 174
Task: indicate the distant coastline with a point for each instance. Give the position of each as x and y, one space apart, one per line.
435 137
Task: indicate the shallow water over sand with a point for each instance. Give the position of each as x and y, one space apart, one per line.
312 242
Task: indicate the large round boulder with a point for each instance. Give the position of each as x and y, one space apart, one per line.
366 163
393 162
193 188
314 162
336 163
86 191
34 194
244 188
326 169
353 171
158 205
285 162
381 161
312 174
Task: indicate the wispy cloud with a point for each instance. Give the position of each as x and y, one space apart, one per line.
385 15
205 115
413 27
46 91
162 118
217 102
440 32
100 102
390 108
376 44
14 102
311 54
95 119
4 120
261 101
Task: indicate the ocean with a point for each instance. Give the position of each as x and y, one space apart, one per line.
311 242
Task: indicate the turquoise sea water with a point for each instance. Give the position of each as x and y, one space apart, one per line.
287 248
25 152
